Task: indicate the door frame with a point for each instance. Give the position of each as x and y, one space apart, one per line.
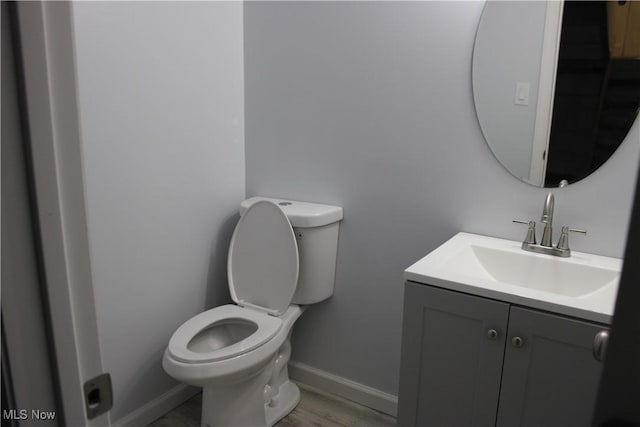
49 72
619 391
546 92
28 382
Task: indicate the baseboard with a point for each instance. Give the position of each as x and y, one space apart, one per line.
359 393
157 407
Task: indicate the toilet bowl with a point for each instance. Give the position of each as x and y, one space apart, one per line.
241 373
238 353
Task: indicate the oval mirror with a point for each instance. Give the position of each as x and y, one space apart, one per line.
556 85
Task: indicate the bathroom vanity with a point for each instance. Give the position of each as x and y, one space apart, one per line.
493 335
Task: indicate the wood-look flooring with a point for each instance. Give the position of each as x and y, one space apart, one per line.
316 408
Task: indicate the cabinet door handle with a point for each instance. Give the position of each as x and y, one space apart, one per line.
492 334
600 345
517 342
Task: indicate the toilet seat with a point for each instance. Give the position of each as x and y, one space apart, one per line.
263 275
267 327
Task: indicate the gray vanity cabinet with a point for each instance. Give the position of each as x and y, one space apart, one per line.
451 358
552 378
473 361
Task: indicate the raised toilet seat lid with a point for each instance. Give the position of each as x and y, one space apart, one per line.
266 327
263 260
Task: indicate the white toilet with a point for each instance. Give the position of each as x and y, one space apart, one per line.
282 254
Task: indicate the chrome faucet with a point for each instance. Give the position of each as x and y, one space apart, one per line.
547 220
546 244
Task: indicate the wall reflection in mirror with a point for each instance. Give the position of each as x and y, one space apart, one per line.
556 85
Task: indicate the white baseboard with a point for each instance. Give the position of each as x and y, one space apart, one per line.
359 393
157 407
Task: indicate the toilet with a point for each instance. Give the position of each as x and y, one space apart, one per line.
282 258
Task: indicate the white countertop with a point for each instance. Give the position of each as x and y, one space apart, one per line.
443 268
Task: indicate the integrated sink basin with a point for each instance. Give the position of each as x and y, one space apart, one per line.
544 273
583 285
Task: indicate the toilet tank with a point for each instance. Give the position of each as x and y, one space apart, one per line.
316 228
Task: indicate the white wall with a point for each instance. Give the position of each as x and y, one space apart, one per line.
161 105
368 105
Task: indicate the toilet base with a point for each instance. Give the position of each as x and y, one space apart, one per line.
280 394
242 405
258 401
283 403
235 405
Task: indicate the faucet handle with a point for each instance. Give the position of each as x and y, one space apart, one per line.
531 232
563 242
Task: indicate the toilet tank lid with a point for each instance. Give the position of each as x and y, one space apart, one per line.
301 214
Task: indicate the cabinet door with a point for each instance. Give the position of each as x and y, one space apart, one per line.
552 378
451 361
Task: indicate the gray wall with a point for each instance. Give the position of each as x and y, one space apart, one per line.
368 105
161 112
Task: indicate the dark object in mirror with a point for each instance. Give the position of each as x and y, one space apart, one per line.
597 86
596 97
